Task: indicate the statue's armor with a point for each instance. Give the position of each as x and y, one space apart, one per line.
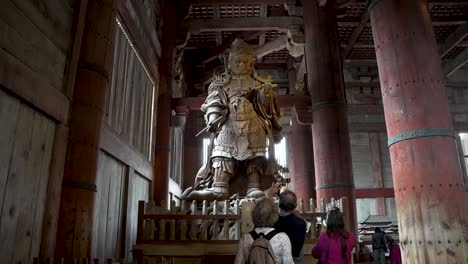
242 136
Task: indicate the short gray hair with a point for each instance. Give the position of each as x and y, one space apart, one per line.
288 200
265 213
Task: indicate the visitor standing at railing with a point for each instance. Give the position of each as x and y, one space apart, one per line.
335 244
292 224
264 216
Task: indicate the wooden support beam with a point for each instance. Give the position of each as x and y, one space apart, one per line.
32 87
378 109
219 34
261 40
453 40
245 24
118 148
356 33
238 2
194 103
434 23
452 66
300 74
375 193
366 127
272 46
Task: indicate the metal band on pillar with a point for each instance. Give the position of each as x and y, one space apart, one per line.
335 185
323 104
426 132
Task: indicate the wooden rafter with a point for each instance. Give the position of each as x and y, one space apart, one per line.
356 33
219 34
452 66
300 73
261 40
453 40
238 2
279 43
241 24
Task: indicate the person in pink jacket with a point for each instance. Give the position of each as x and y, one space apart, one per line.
334 245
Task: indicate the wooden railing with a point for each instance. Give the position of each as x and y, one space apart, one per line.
80 261
208 232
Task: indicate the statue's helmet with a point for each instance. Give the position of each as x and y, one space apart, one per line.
241 49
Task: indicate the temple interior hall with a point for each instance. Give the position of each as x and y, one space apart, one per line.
102 129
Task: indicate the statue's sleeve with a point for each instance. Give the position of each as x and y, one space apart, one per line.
269 109
215 102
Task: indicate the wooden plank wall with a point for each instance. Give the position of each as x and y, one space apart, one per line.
127 138
35 46
109 207
31 26
26 141
130 98
364 172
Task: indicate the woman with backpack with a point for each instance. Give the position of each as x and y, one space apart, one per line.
264 244
334 245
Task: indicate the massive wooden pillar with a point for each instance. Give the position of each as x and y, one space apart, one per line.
163 129
301 167
332 154
75 224
426 171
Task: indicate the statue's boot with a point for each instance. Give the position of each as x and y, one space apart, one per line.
217 192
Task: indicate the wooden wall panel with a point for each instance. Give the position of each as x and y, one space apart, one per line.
361 160
24 191
9 110
130 97
139 192
109 207
30 26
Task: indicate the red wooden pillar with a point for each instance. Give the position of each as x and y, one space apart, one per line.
426 171
163 119
301 167
332 154
75 226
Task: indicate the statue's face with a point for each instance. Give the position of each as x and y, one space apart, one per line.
240 64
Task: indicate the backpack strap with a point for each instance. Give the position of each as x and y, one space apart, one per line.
271 234
268 236
254 235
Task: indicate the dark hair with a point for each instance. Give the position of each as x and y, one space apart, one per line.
377 230
335 225
265 213
288 200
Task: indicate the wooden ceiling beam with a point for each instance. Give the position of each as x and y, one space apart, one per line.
241 24
434 23
356 33
261 40
194 103
453 40
277 44
300 75
452 66
238 2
